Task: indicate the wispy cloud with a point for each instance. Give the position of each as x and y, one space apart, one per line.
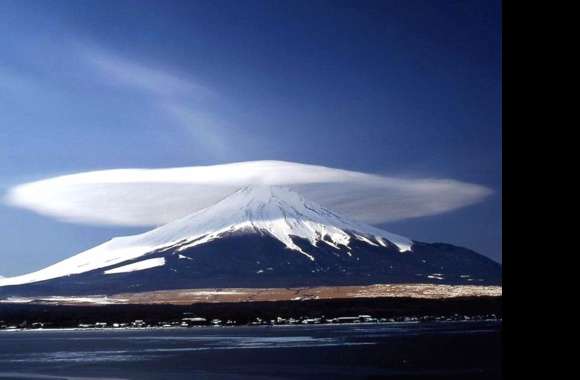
175 94
139 197
153 80
201 126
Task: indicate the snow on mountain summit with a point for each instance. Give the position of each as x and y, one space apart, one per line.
276 211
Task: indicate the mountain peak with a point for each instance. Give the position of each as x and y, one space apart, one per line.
284 214
266 192
259 195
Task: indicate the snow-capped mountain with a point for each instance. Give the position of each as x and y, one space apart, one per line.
257 236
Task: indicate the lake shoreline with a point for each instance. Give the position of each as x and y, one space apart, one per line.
259 312
178 328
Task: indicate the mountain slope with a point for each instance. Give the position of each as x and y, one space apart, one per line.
258 236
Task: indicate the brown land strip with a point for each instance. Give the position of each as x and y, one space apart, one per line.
221 295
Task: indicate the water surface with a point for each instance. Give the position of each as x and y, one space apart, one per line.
458 350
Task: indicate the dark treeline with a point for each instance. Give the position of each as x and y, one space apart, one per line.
245 312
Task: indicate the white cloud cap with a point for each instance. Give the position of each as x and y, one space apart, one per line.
145 197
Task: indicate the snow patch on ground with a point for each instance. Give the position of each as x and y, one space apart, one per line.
100 300
140 265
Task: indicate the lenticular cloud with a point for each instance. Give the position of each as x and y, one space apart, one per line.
145 197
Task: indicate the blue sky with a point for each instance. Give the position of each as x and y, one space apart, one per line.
403 88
